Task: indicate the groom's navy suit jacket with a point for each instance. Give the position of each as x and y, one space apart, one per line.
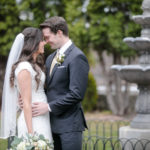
65 90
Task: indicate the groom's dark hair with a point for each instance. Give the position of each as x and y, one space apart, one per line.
56 23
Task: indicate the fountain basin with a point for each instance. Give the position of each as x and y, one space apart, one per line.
133 73
142 19
138 43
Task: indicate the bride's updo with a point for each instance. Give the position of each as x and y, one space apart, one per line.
32 38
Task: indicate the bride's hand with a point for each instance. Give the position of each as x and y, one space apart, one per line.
39 108
31 133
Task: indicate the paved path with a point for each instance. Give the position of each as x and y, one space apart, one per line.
106 116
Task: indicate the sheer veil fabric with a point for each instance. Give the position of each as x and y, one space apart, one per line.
9 95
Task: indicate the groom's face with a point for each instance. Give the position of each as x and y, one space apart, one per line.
51 38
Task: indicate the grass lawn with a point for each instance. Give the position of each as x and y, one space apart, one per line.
3 144
99 131
102 135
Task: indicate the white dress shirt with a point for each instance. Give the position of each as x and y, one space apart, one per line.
65 47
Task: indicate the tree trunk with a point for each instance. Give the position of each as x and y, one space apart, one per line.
110 95
117 99
108 76
2 73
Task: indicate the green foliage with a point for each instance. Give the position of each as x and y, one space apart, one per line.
31 13
91 96
110 22
15 16
9 19
77 24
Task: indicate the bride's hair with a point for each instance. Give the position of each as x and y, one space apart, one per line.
32 38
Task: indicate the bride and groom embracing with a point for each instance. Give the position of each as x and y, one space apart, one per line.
55 111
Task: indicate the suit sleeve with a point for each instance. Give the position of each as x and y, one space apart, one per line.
78 70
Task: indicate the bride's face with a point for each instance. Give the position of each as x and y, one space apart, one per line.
41 47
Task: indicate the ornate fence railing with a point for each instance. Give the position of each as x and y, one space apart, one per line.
104 135
104 128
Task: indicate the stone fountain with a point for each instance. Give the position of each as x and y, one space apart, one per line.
140 74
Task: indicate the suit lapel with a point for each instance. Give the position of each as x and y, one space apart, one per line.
53 72
56 65
69 50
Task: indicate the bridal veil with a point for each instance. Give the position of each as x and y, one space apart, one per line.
9 95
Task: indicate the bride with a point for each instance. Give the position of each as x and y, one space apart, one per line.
25 77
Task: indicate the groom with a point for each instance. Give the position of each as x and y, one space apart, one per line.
66 81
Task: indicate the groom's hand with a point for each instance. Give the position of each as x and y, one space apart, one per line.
39 108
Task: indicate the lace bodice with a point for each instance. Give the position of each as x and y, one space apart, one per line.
37 94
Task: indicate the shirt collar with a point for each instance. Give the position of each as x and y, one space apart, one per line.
65 47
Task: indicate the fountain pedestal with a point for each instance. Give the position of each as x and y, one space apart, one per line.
142 118
135 139
137 135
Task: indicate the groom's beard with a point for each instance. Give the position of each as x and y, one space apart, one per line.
53 47
56 45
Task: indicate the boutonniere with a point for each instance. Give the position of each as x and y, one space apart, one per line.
60 58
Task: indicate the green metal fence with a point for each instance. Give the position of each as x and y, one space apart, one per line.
104 135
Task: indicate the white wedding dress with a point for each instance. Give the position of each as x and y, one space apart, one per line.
41 124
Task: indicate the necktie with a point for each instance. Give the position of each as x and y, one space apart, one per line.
53 63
